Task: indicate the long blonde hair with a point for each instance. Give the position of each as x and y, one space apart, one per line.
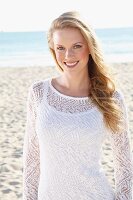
102 81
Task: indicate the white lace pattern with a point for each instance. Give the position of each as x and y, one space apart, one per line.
62 148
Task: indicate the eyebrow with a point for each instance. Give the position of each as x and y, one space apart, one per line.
73 44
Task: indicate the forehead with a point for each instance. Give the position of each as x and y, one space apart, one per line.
71 35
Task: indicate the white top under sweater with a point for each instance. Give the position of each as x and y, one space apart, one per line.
62 148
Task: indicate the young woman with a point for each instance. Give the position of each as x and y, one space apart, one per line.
69 117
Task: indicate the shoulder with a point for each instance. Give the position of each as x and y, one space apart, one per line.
36 89
119 97
118 94
38 85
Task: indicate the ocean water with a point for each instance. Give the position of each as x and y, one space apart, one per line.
117 44
31 48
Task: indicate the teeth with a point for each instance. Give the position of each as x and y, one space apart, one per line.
71 64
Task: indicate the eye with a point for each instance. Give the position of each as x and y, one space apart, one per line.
60 48
77 46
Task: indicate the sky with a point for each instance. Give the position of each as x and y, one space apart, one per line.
36 15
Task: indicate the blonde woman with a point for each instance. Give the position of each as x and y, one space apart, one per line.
69 117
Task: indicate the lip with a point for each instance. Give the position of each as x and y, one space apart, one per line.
71 64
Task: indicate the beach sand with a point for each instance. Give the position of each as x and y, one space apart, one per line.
14 84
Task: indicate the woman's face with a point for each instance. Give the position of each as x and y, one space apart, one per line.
71 49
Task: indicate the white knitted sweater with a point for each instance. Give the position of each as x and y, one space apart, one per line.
62 148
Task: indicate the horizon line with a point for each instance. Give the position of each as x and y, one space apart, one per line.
45 30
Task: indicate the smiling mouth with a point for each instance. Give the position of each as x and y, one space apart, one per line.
72 64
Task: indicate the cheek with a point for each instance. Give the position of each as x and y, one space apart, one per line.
59 56
84 55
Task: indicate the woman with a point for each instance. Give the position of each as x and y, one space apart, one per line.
69 117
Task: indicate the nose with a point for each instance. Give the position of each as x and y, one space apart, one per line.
69 53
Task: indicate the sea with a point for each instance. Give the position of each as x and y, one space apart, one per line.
22 49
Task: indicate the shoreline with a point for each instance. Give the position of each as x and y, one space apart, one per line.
53 65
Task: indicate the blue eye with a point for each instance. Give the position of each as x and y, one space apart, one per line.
77 46
60 48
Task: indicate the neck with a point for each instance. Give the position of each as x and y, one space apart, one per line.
75 83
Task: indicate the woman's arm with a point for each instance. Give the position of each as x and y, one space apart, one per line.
123 168
31 162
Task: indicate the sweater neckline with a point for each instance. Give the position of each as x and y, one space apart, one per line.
64 95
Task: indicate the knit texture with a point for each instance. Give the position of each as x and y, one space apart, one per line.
63 146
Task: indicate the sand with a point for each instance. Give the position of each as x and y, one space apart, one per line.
14 83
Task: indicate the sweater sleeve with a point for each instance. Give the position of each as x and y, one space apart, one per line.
122 159
31 161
